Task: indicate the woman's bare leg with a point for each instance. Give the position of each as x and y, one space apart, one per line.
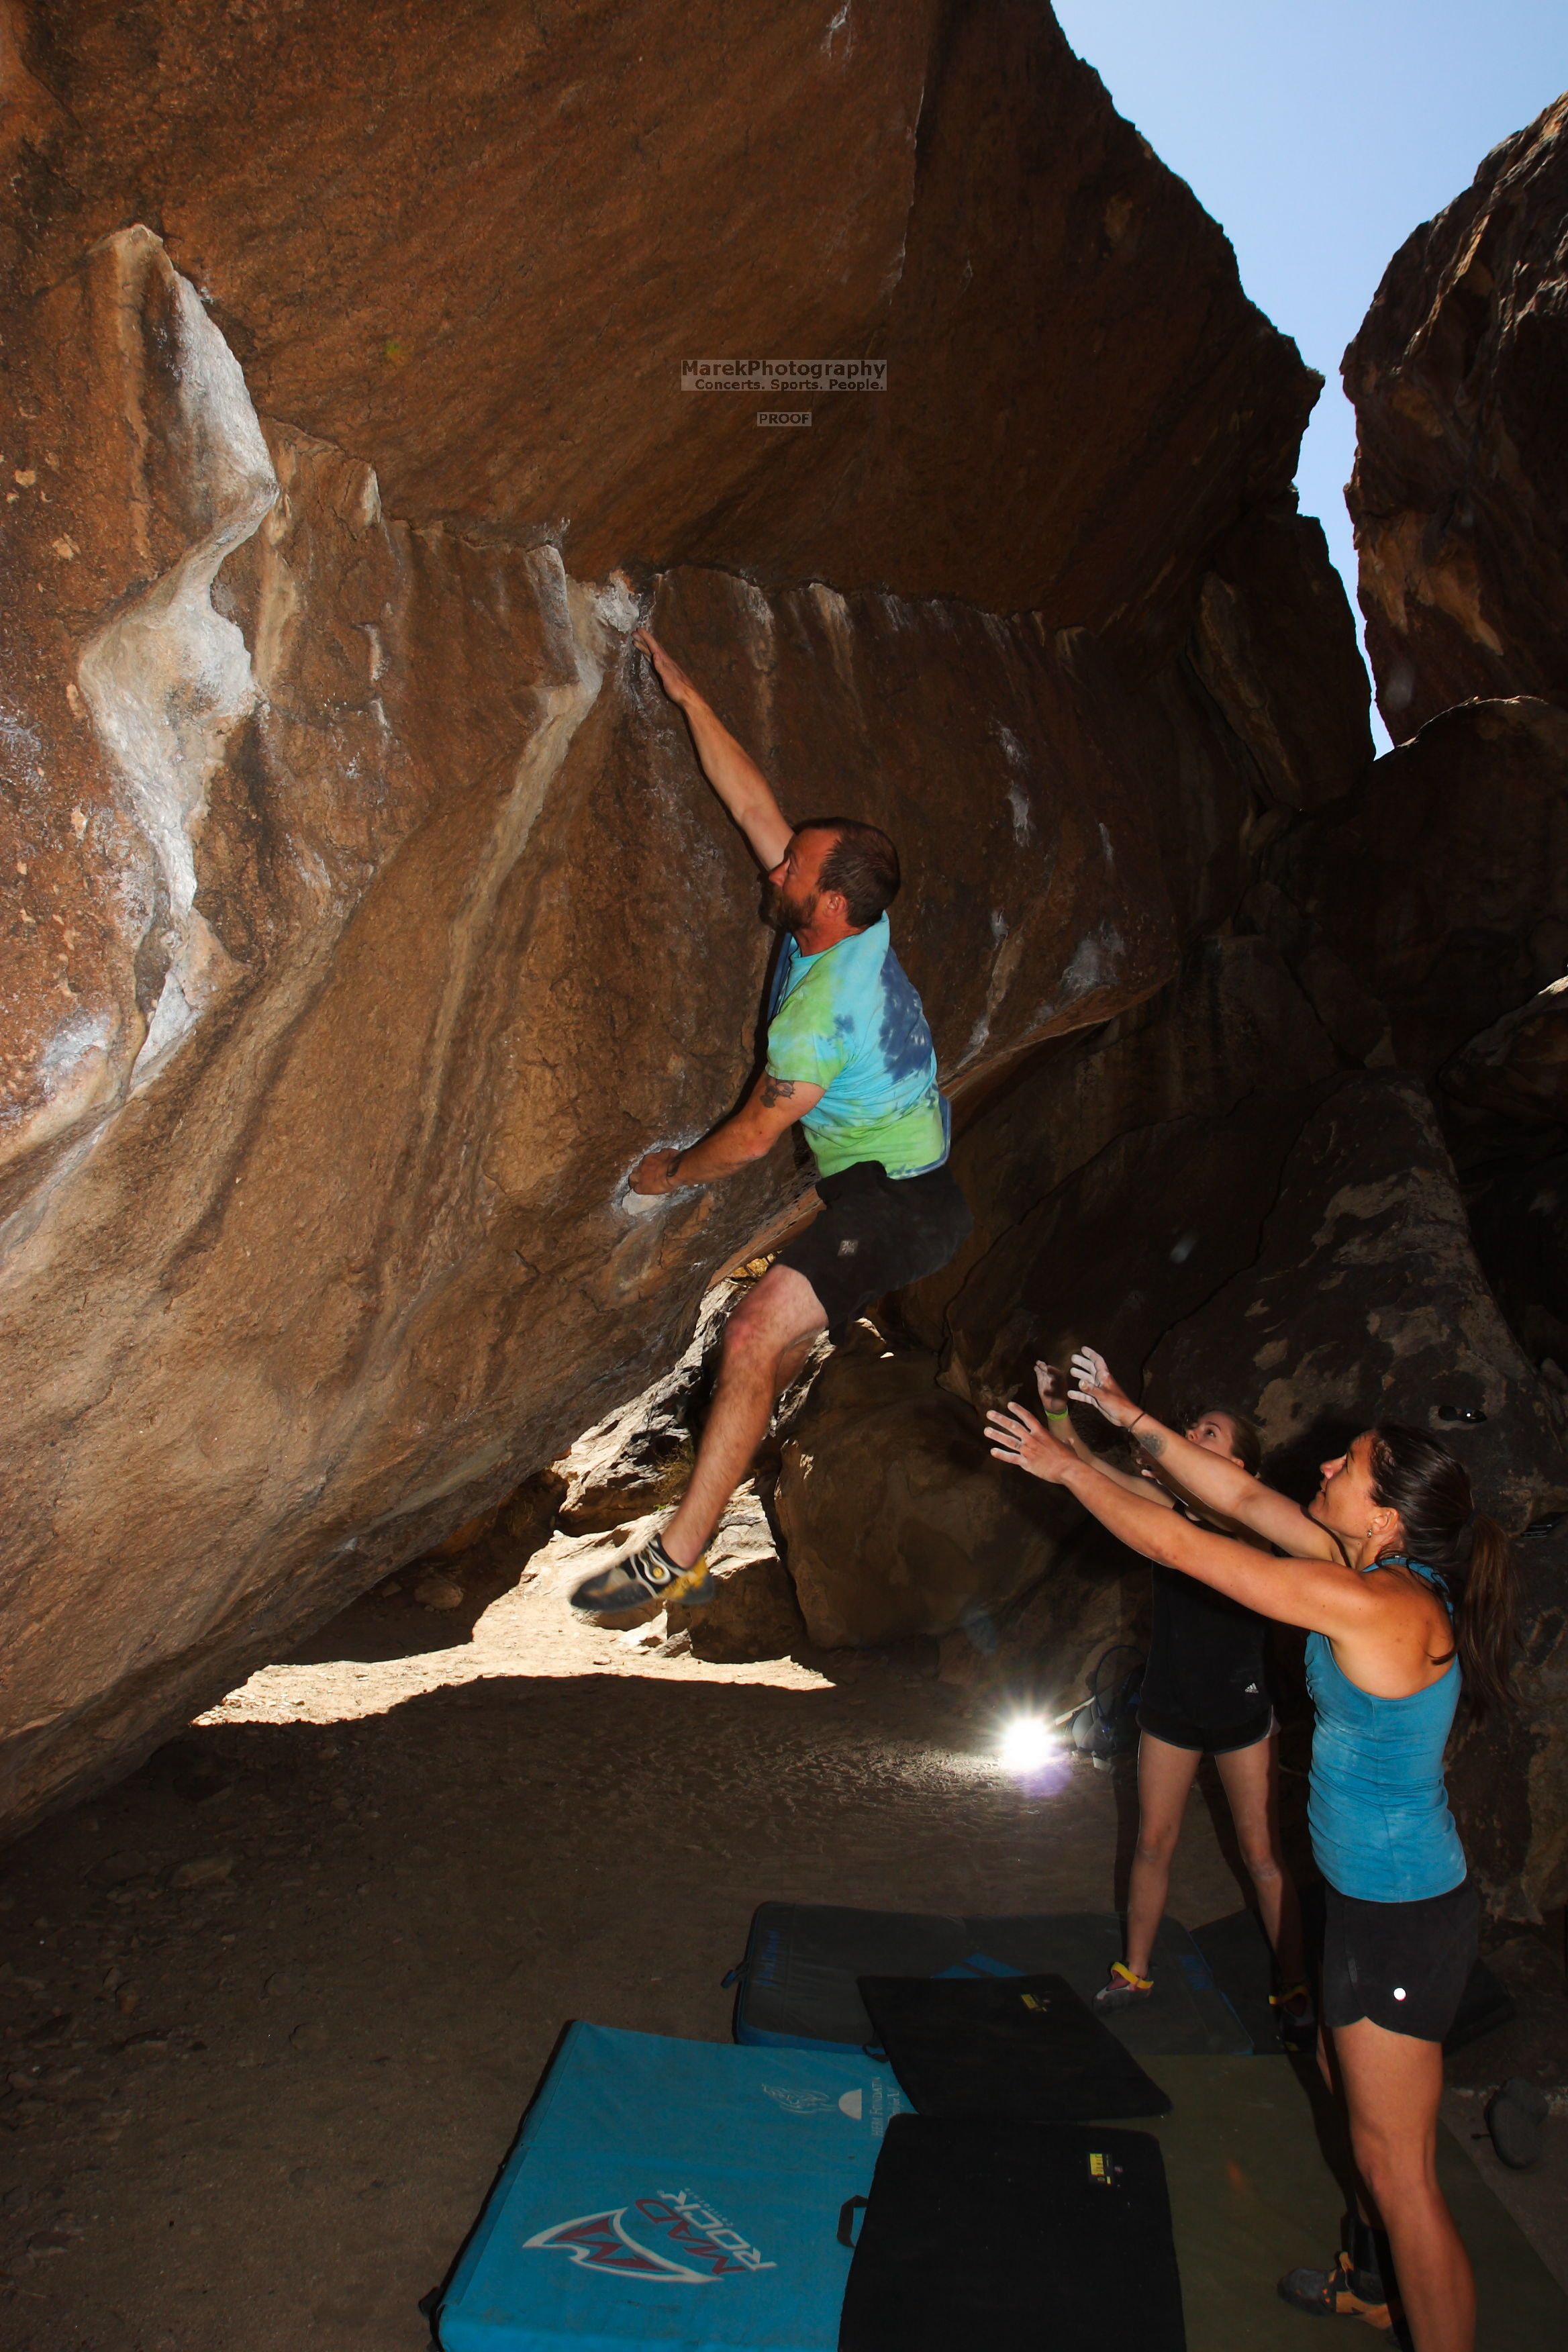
1166 1777
1249 1776
1391 2084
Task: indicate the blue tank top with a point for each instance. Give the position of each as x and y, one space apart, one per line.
1378 1810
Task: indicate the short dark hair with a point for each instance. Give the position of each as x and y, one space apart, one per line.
862 865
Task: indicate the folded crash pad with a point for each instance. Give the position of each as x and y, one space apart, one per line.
797 1984
1024 2048
674 2193
1008 2237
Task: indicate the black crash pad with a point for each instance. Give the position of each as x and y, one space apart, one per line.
1009 2237
1025 2048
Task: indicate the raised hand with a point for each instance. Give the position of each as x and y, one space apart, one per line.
1094 1385
1018 1437
671 677
1052 1384
656 1174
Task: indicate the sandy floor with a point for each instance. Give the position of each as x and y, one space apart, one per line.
274 2006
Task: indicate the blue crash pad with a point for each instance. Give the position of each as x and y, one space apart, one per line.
677 2193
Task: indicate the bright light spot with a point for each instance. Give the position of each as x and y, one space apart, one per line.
1027 1743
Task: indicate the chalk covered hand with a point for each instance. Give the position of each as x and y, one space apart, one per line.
1018 1437
1093 1385
658 1173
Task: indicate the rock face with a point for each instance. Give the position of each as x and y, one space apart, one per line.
1460 492
1364 1303
373 918
754 1612
475 246
1442 885
897 1522
1508 1775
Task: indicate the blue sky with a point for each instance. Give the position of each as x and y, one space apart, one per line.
1318 134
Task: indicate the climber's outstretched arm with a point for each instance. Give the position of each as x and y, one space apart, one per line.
773 1105
734 773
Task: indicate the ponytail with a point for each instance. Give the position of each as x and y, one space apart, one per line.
1483 1617
1430 1488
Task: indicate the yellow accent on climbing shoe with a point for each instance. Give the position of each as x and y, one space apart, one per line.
1283 1999
695 1575
1141 1984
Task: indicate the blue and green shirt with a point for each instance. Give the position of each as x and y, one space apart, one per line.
848 1020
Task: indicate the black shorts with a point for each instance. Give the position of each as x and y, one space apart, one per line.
875 1233
1403 1965
1206 1740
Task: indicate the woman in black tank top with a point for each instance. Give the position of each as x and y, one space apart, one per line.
1203 1694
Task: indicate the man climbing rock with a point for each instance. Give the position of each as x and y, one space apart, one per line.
850 1057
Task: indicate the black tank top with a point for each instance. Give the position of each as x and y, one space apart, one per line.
1206 1655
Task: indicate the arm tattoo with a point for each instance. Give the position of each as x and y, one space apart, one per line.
776 1091
1152 1443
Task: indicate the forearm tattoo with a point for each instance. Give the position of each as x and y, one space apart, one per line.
1150 1440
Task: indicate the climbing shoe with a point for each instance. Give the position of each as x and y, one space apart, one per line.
1352 2289
1297 2020
1124 1989
645 1575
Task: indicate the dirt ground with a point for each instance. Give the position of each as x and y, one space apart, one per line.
274 2006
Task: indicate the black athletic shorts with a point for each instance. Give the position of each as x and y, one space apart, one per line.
1403 1965
1206 1740
875 1233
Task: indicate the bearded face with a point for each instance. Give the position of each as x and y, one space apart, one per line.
786 909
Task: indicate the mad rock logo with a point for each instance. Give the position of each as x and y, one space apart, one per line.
673 2240
801 2103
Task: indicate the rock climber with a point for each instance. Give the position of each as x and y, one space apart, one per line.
849 1054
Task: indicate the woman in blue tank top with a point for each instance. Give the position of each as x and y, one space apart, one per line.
1406 1594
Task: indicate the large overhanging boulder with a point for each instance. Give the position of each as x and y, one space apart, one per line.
1460 491
475 246
373 916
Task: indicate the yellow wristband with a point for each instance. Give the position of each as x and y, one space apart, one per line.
1061 1414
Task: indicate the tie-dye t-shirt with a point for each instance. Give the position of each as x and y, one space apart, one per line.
848 1021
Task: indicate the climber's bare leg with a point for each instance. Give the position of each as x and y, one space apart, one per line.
765 1343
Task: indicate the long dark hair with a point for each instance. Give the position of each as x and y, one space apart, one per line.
1430 1490
1247 1440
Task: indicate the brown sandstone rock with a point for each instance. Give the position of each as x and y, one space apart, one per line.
1461 490
1275 645
1233 1024
1508 1775
1131 1244
473 246
896 1520
399 925
374 916
1365 1303
1518 1069
1443 886
754 1612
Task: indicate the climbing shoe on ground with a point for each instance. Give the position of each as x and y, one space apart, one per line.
1514 2116
1297 2020
644 1576
1352 2289
1123 1989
